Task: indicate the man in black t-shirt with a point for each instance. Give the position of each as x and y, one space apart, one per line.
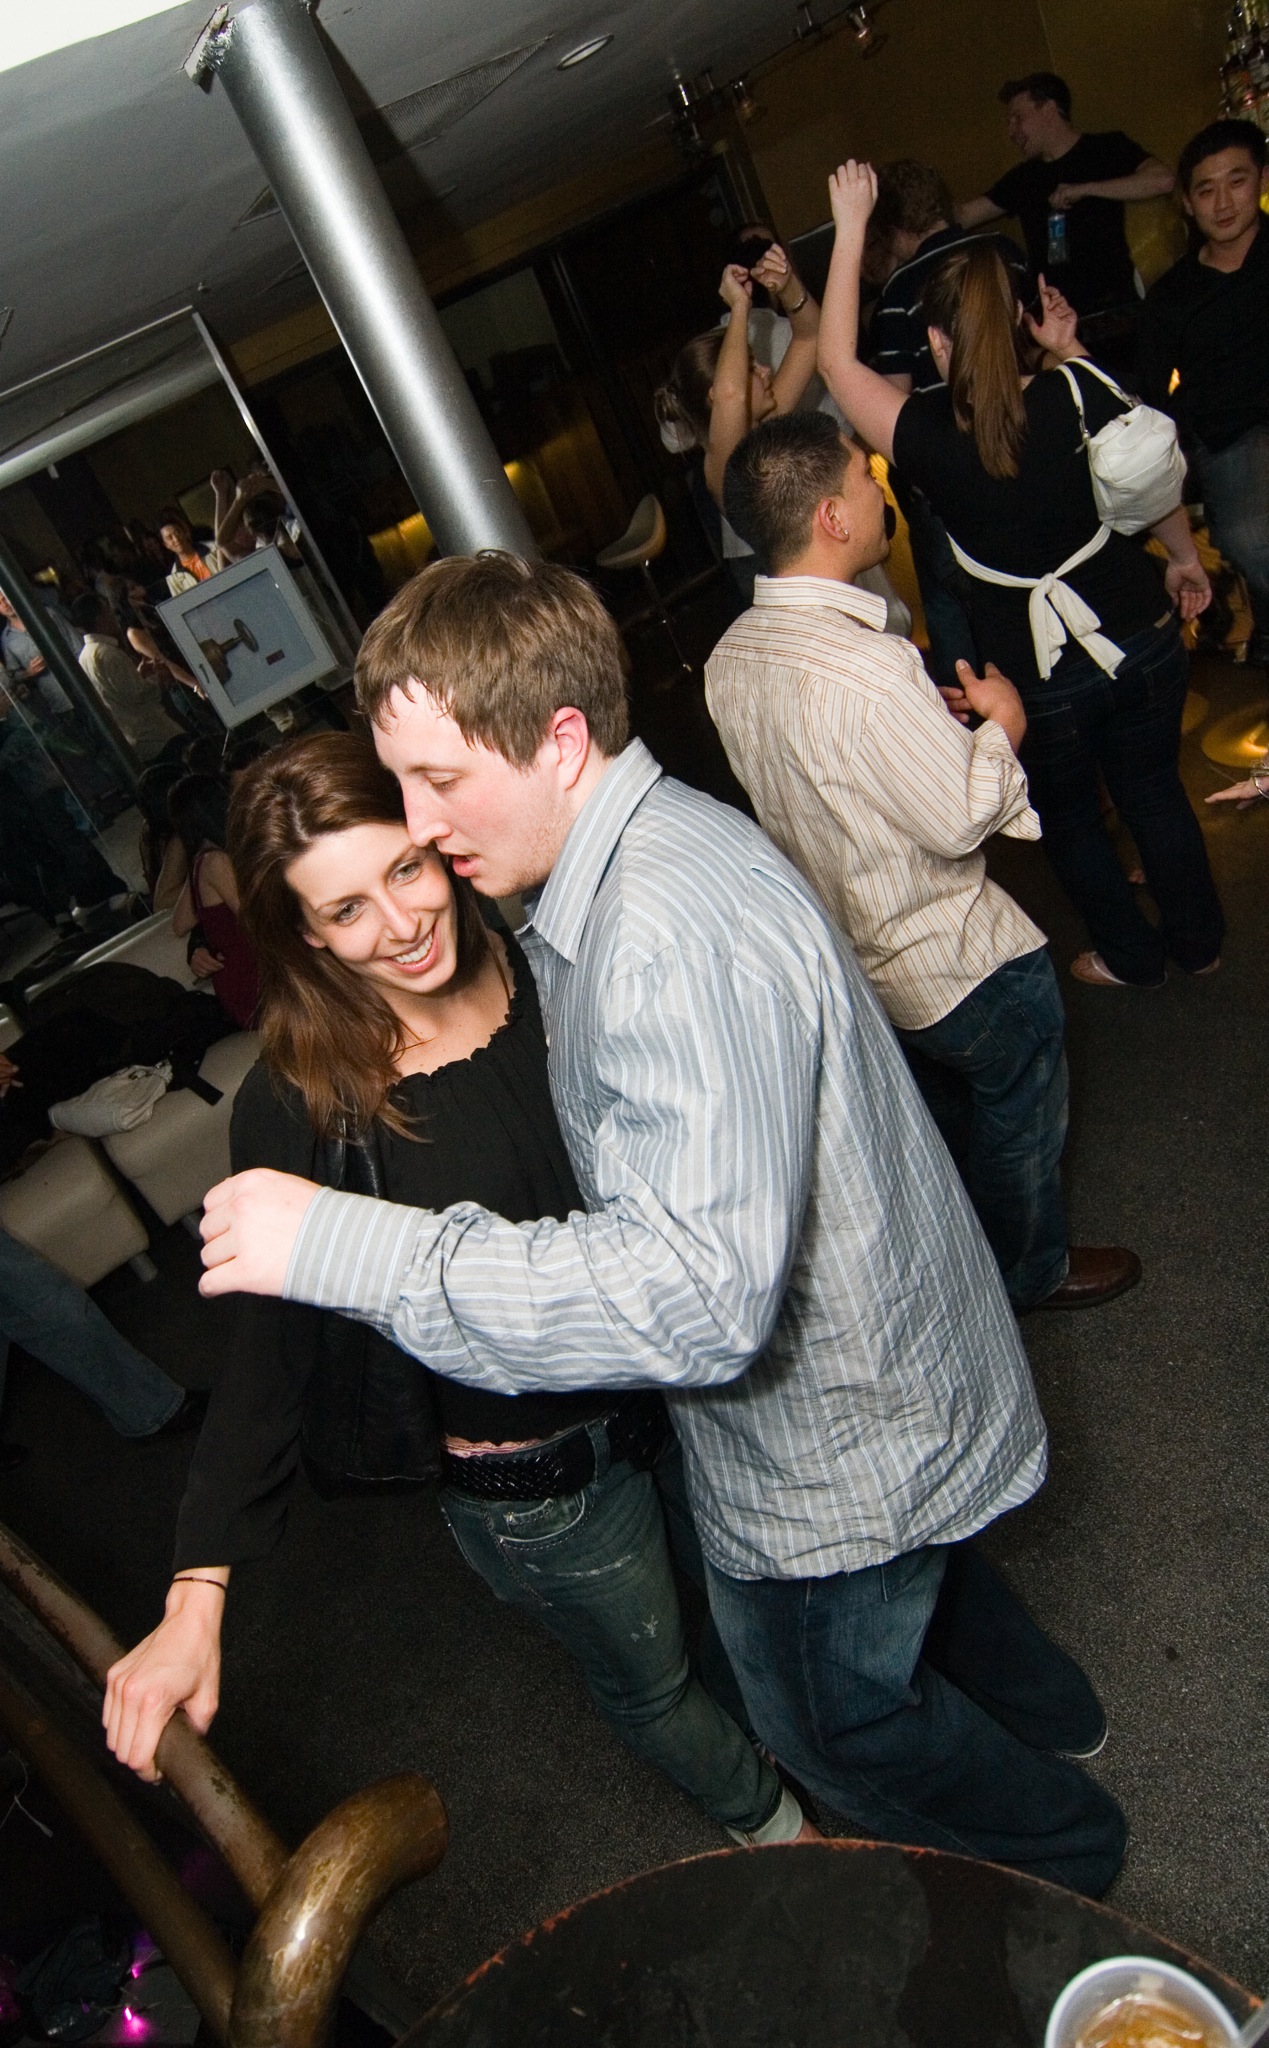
1068 193
1205 349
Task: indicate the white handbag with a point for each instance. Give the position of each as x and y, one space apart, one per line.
118 1102
1137 467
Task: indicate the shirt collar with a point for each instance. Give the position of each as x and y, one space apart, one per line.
559 911
797 592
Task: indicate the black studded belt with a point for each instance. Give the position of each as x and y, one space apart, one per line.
637 1429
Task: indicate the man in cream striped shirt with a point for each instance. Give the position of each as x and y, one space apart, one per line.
883 800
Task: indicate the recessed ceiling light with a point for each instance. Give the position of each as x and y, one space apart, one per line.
583 51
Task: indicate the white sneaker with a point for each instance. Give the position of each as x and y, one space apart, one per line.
785 1825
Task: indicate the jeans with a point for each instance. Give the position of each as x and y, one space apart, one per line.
1235 486
918 1699
1129 725
993 1075
594 1568
943 584
52 1318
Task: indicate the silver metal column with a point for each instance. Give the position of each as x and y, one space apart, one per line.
285 93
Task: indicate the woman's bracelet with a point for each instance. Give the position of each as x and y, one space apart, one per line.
193 1579
789 311
1256 773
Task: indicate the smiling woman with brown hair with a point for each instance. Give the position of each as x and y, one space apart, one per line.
404 1057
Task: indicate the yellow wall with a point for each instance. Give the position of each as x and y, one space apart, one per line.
1147 66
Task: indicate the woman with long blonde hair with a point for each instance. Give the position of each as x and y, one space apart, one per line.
1078 616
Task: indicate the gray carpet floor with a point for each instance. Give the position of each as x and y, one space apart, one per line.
364 1646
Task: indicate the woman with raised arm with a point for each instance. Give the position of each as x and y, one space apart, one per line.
1080 617
404 1057
718 389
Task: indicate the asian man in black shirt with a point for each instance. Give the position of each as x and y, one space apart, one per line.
1204 352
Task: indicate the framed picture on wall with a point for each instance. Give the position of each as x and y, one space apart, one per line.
249 636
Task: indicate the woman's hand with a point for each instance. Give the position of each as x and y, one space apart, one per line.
773 271
852 192
1188 587
735 289
203 963
250 1224
178 1665
1241 793
8 1075
1055 329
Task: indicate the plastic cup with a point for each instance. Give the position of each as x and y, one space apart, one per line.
1118 1977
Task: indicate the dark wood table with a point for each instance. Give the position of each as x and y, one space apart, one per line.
833 1945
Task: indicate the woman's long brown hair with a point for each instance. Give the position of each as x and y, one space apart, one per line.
970 299
325 1029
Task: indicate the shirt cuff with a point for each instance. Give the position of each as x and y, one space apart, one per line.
352 1253
1017 819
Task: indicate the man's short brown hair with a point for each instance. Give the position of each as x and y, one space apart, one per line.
500 644
913 197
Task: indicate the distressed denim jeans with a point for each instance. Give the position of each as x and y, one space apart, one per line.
993 1075
52 1318
594 1568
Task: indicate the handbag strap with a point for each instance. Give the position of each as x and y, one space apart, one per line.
1074 383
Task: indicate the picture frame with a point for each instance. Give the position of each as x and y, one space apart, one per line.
249 637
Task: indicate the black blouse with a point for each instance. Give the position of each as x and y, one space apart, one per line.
1029 524
297 1377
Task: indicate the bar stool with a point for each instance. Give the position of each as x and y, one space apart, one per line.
643 540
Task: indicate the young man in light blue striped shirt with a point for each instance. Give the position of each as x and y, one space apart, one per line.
774 1235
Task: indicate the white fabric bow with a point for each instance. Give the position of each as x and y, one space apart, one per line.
1055 610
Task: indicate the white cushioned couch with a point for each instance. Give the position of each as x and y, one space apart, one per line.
69 1205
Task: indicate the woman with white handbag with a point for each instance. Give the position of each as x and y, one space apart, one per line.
1047 484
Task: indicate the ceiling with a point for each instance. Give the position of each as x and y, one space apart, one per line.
123 187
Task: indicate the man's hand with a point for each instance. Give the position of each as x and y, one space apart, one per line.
35 667
735 289
8 1075
852 193
1055 329
250 1224
1188 587
1063 197
178 1665
990 695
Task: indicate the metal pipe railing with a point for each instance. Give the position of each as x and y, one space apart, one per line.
313 1905
191 1942
254 1853
334 1884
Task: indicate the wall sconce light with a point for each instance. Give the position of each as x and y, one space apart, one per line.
864 30
747 107
684 103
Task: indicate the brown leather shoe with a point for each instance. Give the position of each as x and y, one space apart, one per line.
1097 1273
